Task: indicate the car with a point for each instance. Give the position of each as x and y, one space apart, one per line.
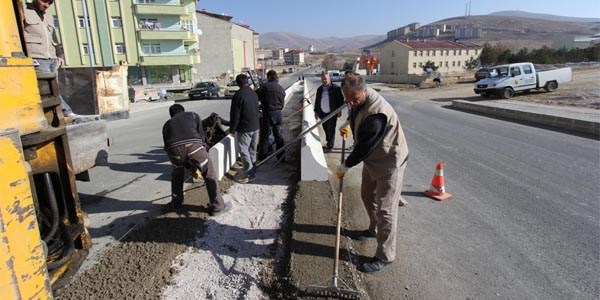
231 88
482 73
205 89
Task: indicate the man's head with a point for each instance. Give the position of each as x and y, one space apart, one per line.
42 5
325 78
241 80
175 109
272 76
354 89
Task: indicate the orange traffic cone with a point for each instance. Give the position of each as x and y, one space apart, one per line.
437 190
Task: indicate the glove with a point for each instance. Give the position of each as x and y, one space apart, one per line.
341 171
345 129
197 174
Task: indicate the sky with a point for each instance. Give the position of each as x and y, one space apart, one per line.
322 18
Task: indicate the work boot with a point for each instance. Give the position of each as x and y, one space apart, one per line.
216 213
375 265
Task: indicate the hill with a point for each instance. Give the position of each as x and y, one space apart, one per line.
332 44
518 32
516 29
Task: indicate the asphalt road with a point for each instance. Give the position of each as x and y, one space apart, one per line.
523 222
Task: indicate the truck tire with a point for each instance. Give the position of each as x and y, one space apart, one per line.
551 86
508 93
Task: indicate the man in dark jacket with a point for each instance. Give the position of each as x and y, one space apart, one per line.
329 98
213 127
272 97
244 126
184 143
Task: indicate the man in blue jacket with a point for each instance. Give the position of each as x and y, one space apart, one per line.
244 126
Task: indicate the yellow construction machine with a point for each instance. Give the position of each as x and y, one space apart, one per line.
43 239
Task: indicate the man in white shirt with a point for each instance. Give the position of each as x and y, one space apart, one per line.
329 98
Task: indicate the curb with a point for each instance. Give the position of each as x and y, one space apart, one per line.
586 125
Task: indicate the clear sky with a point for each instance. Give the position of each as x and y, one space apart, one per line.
322 18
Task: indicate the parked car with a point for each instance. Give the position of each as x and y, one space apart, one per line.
205 89
231 88
482 73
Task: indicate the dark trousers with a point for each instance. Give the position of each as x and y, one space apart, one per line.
329 128
270 123
193 156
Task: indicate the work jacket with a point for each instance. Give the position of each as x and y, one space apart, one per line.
392 151
39 34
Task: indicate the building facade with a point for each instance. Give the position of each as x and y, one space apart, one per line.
157 39
294 57
227 49
409 57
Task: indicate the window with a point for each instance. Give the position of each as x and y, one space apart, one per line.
458 63
420 64
453 63
117 22
420 53
414 65
454 52
527 69
446 64
393 53
82 22
515 71
120 48
85 49
56 24
392 65
151 48
460 52
415 53
427 53
187 25
146 1
434 51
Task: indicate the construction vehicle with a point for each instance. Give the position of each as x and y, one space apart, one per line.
43 239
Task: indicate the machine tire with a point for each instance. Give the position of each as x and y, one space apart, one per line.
508 93
551 86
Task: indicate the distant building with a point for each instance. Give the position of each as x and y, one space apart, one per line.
294 57
402 31
226 48
409 57
311 48
278 53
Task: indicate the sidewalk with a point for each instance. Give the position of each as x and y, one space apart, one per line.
580 120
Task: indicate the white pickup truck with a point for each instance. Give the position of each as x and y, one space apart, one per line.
506 80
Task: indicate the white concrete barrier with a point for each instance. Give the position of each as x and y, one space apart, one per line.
223 155
313 165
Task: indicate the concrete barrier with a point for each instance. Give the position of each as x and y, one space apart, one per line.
223 155
313 165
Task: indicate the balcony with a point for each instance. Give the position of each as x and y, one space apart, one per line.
160 9
166 59
164 34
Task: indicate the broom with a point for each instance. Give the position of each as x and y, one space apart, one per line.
333 290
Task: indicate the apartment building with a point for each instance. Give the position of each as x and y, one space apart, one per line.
294 57
226 48
409 57
156 39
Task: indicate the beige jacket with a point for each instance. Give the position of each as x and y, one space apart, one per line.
392 151
39 34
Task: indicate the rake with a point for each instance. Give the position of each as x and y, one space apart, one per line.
333 290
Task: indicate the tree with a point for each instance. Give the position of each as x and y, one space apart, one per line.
329 62
489 55
471 64
429 65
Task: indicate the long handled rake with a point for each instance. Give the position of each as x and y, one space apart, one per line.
333 290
